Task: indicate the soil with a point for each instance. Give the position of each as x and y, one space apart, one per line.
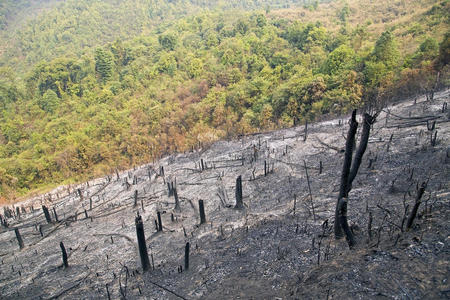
279 246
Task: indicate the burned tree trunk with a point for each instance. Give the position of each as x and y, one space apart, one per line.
343 191
202 212
186 256
367 123
64 255
141 243
239 202
47 214
309 189
417 202
177 201
19 238
160 227
306 132
54 212
342 214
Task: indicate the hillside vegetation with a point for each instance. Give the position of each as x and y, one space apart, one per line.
91 86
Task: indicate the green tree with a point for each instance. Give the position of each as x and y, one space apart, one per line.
49 101
168 41
339 59
444 52
386 50
104 64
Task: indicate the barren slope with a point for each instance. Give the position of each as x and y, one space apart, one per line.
265 250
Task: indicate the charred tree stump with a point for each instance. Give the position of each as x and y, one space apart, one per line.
265 168
19 238
202 212
295 203
64 255
160 227
47 214
309 189
343 191
135 198
169 189
141 243
177 201
417 202
239 202
306 132
186 256
54 212
320 167
433 140
203 165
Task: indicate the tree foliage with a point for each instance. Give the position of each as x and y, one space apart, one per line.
85 106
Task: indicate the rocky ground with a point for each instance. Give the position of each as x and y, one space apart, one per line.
279 246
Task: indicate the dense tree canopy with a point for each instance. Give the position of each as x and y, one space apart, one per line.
82 113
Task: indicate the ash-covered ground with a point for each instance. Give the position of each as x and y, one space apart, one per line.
279 246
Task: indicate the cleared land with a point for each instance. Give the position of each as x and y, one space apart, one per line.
279 245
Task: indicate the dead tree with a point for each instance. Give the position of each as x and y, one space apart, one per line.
47 214
141 243
135 198
160 227
306 131
54 212
64 255
239 202
343 190
19 237
202 212
186 256
367 123
177 201
416 205
309 189
349 171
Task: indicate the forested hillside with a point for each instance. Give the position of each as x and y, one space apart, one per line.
90 86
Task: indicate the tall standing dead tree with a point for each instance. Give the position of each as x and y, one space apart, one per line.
47 214
141 243
19 238
202 212
64 255
417 202
349 171
239 202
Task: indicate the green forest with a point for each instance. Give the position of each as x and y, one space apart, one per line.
87 87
